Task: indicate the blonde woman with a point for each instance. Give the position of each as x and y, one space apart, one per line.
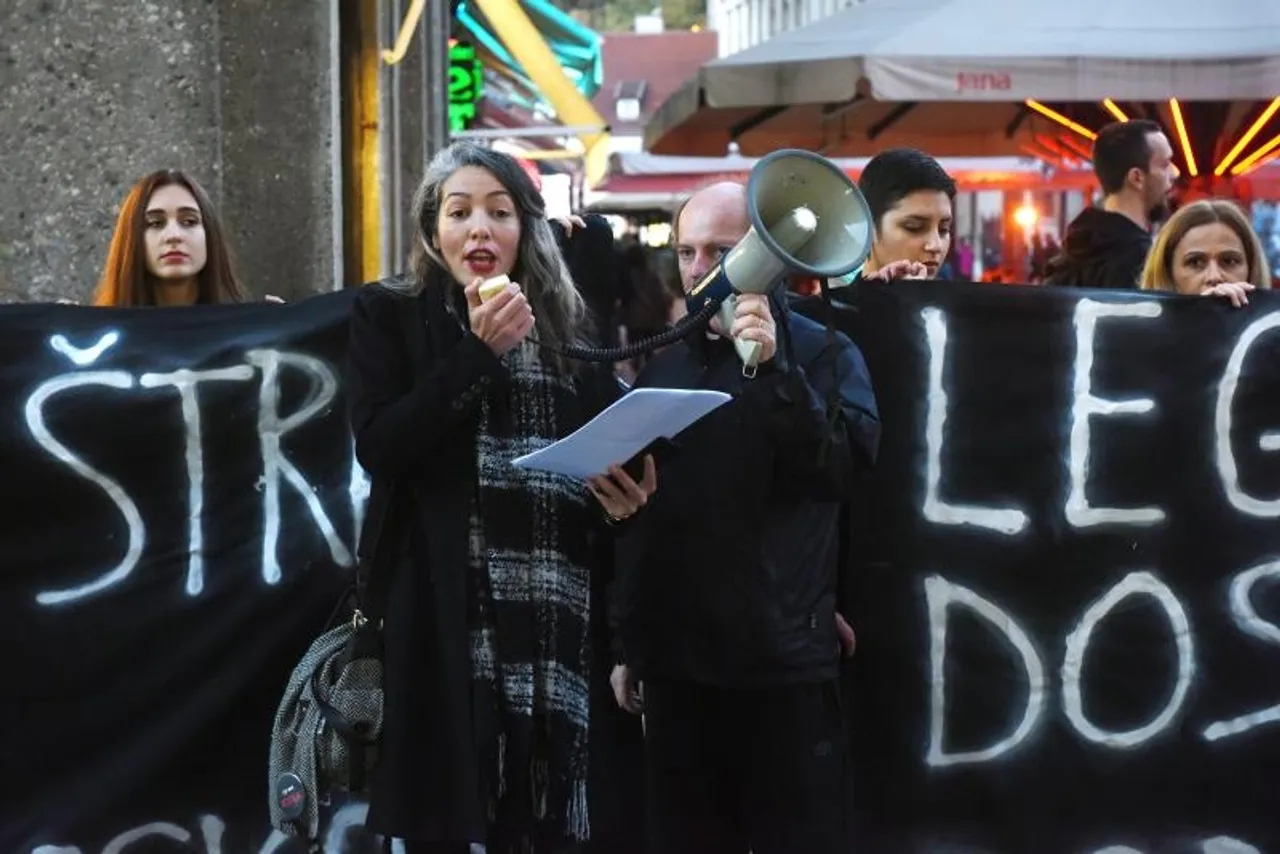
1207 248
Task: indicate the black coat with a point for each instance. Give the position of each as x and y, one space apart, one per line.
596 269
1102 250
413 416
729 575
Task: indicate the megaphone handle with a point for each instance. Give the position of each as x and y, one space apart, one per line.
748 351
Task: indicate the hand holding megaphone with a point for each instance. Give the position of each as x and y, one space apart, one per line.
752 328
806 216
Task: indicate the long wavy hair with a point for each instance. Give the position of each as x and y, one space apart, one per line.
561 317
1157 273
125 282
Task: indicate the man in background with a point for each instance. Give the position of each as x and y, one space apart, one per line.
1107 245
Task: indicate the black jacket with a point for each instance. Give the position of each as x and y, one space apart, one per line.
1102 250
728 576
593 262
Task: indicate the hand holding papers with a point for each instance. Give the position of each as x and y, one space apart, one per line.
626 428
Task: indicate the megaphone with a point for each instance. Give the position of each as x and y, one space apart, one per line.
807 216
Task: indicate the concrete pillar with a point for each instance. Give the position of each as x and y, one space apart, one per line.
414 118
241 93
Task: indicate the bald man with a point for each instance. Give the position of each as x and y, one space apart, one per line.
724 608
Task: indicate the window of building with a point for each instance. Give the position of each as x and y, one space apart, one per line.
628 99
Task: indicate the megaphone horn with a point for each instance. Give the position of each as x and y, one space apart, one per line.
807 216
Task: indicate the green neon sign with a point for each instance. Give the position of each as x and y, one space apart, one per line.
466 85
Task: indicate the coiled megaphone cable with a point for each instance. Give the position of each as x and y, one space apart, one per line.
687 325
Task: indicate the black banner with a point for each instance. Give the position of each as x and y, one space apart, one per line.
180 502
1064 572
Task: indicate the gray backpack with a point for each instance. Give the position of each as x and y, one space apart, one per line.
325 737
324 740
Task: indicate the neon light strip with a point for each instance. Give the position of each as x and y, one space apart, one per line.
1252 160
1247 137
1076 148
1176 109
1061 119
1114 110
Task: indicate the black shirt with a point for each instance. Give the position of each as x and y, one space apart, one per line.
1102 250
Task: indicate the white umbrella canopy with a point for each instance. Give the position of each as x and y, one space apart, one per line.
993 50
647 182
953 75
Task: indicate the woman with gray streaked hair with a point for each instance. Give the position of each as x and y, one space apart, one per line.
490 667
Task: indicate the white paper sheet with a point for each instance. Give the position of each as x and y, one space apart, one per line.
623 430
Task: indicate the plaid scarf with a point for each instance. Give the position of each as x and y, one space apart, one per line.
529 595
